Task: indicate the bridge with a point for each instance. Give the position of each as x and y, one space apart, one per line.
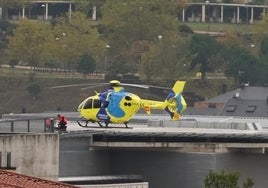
165 153
191 134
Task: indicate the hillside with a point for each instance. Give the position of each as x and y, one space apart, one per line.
16 98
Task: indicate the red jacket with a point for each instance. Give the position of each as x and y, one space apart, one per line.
62 119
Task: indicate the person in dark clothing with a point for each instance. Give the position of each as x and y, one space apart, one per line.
62 122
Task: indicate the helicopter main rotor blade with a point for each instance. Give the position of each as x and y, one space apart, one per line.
95 86
136 85
79 85
65 86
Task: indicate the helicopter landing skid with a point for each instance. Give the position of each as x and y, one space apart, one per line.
81 124
100 125
86 124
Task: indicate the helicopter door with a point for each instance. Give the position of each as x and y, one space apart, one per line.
96 103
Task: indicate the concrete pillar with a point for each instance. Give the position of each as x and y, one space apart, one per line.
203 19
237 15
1 13
70 11
23 12
222 14
192 15
252 15
94 13
46 13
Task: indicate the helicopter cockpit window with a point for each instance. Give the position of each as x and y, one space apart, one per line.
96 103
88 104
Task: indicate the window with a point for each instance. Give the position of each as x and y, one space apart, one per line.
96 103
251 108
212 105
88 104
8 159
230 108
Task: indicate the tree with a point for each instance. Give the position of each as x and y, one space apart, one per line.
225 180
167 60
242 67
30 42
86 64
12 64
206 52
129 25
34 89
74 38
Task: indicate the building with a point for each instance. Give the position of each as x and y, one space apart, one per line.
193 12
12 179
26 153
248 101
222 12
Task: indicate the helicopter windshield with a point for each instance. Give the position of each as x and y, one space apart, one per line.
88 104
92 103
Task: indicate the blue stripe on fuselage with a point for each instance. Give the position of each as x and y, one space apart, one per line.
114 105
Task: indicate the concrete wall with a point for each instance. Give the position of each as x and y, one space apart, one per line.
31 154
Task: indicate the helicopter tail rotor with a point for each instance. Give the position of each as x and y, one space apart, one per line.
175 103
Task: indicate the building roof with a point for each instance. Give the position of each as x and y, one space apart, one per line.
251 92
11 179
245 108
245 102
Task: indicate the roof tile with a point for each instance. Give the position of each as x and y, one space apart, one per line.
10 179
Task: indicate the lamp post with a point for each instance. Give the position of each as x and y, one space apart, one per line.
44 6
106 57
160 48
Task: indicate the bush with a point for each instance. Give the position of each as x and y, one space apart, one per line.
34 89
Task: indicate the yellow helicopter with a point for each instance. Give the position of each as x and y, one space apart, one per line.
118 106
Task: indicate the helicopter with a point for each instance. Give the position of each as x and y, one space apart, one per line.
117 106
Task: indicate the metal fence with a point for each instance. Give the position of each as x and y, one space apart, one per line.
27 125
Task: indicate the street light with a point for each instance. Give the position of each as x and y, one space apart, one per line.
160 48
44 6
106 57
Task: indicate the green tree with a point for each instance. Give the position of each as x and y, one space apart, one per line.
86 64
206 51
12 64
167 60
222 179
76 37
129 25
30 42
242 67
34 89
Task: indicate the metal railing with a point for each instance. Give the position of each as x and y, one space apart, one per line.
27 125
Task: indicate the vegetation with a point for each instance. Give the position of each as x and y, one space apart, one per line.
135 37
225 180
